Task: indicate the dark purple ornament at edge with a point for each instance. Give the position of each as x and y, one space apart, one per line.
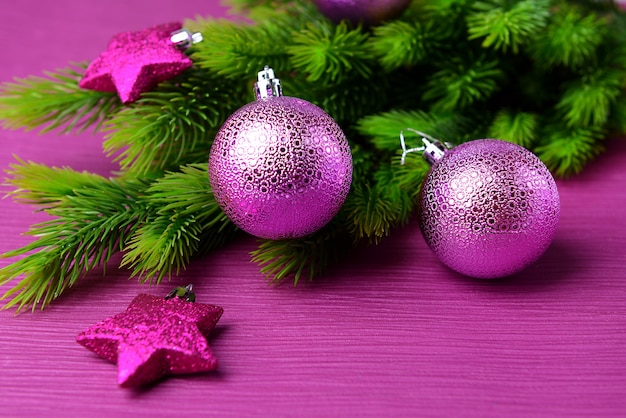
368 12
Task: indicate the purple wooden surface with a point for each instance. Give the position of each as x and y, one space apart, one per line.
388 332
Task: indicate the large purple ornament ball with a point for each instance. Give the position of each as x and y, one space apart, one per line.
489 208
368 12
280 168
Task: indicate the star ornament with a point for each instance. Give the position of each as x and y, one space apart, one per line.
155 337
135 62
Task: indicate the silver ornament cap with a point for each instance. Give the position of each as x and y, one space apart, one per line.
267 84
184 39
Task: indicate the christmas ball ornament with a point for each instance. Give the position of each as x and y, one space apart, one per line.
368 12
135 62
488 208
280 167
155 337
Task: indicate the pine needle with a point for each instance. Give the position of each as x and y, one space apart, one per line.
46 187
55 102
239 52
506 25
463 81
330 54
519 128
399 44
570 39
308 257
588 100
244 6
172 125
90 222
186 220
384 129
567 151
373 209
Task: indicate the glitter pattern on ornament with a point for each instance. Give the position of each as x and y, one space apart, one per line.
155 337
489 208
135 62
280 167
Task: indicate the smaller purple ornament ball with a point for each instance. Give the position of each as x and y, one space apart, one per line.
489 208
368 12
280 168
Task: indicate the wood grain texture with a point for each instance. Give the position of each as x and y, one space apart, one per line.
389 332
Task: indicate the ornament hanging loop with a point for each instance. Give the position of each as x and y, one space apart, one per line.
184 39
184 293
267 84
433 149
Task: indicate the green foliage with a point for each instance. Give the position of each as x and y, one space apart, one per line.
244 6
617 120
462 81
346 101
387 201
309 257
383 130
92 217
172 125
237 51
326 53
546 74
44 186
185 220
566 151
587 101
570 39
398 44
519 128
504 24
54 102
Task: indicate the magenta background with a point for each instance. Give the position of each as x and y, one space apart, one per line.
388 332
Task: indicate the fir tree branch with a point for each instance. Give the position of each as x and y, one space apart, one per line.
617 119
566 151
90 224
185 221
506 25
519 128
588 100
330 54
371 214
172 125
241 51
463 81
46 187
384 129
398 44
245 6
312 255
287 15
55 102
346 101
570 39
570 67
373 209
409 177
307 257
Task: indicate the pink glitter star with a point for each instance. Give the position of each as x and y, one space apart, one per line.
135 62
155 337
